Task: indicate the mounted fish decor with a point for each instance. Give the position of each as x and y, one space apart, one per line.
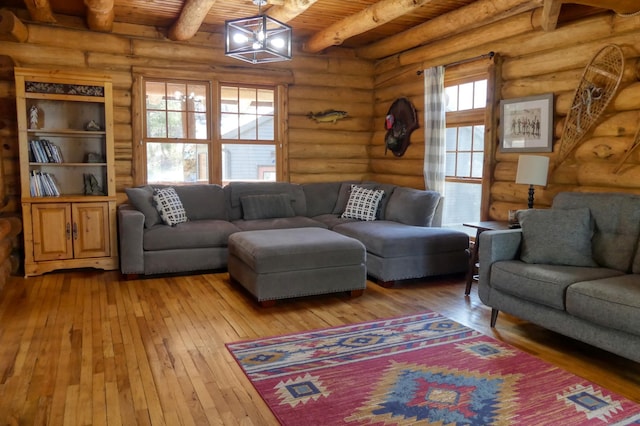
400 121
328 116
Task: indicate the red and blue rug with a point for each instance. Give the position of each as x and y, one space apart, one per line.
420 369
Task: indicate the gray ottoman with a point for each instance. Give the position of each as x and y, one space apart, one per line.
281 263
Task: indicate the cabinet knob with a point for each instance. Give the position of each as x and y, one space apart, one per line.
75 231
68 231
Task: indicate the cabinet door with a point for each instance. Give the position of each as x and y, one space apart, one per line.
52 231
91 230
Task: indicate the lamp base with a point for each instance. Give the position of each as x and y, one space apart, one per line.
531 196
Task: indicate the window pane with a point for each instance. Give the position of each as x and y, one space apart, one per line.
197 97
177 162
462 203
248 126
451 98
450 164
478 138
476 166
229 126
155 95
248 101
198 128
265 128
265 102
480 94
463 168
451 136
248 162
229 99
464 138
156 124
466 96
176 124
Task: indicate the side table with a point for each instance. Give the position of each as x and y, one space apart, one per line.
490 225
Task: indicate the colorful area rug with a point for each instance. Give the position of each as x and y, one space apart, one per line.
421 369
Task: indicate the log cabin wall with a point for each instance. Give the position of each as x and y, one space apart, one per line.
533 62
317 151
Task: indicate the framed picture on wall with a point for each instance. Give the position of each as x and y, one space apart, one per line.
527 124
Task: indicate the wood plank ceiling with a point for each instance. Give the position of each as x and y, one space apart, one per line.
320 24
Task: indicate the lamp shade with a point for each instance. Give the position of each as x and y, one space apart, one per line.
532 170
258 39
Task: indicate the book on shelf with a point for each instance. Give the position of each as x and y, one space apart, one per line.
43 151
42 184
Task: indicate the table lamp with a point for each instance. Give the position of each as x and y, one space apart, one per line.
532 170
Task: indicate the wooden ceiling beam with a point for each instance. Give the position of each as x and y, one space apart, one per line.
476 14
100 14
618 6
12 28
190 19
550 14
289 9
40 10
375 15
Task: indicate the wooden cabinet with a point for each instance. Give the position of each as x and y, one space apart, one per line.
67 176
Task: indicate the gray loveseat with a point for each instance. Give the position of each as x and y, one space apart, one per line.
401 243
574 269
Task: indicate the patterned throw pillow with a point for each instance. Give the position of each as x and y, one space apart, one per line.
169 206
363 203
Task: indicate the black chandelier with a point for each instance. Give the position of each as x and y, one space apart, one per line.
257 39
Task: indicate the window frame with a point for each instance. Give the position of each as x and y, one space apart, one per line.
276 81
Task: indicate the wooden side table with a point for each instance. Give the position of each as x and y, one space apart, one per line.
490 225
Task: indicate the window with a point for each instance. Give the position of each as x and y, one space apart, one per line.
465 115
206 131
247 133
176 123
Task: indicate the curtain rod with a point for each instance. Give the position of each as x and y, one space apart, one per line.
489 55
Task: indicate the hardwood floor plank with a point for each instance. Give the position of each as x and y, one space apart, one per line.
87 347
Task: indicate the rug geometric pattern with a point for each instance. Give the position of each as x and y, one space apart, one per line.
420 369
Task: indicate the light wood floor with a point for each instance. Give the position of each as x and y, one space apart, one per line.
88 348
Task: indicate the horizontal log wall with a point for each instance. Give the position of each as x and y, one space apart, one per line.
534 62
317 151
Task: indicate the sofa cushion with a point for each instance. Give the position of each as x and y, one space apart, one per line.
617 225
345 192
266 206
544 284
610 302
169 206
191 234
363 203
142 199
412 206
557 236
235 190
202 201
391 239
321 197
278 223
332 220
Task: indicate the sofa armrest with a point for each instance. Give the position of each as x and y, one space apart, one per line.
130 233
494 246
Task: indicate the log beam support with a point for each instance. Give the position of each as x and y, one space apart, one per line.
190 19
289 9
375 15
40 10
12 28
100 15
475 15
550 14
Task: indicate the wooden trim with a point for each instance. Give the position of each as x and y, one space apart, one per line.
494 79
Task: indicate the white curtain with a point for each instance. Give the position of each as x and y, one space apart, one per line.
434 129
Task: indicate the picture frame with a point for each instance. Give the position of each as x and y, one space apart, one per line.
527 124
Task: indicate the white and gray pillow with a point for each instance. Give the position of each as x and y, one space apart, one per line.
362 203
169 206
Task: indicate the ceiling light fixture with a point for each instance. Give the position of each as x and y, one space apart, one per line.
257 39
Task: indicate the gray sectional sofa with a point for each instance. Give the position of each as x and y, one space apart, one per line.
574 269
402 242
